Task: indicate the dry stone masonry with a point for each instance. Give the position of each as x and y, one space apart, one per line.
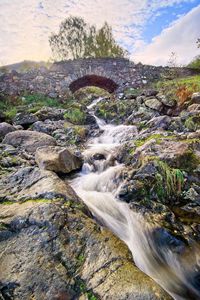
109 73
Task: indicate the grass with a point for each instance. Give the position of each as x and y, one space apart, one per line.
169 181
75 115
31 103
41 100
188 81
179 89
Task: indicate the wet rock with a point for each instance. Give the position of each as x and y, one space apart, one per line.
147 171
25 119
5 128
154 104
196 98
57 159
99 156
53 250
28 140
90 120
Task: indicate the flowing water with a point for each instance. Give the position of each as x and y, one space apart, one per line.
154 250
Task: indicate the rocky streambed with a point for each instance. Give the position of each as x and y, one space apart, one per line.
62 236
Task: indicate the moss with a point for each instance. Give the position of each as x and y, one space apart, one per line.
81 258
157 137
189 161
81 288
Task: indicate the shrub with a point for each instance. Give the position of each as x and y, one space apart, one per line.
184 94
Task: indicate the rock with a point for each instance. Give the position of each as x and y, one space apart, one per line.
25 119
154 104
2 117
150 93
33 183
28 140
51 249
57 159
5 128
196 98
50 113
90 120
161 122
166 101
176 125
49 126
194 135
193 107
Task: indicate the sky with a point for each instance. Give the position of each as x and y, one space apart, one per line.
149 29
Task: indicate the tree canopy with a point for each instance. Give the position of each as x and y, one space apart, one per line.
77 39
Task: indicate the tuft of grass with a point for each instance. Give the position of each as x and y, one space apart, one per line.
169 181
190 124
75 115
10 113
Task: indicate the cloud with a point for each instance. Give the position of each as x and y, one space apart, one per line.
180 37
26 25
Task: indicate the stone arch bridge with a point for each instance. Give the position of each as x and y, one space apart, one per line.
111 74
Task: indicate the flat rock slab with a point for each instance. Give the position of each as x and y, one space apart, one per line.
28 140
33 183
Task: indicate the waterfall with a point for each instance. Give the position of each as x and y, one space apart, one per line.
152 248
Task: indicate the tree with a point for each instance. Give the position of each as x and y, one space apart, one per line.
70 41
76 39
195 63
198 43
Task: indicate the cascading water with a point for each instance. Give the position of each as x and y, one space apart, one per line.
154 250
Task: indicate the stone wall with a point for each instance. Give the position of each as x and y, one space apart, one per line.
60 77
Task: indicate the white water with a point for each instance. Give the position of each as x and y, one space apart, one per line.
98 184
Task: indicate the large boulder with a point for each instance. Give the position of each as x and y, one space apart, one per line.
51 250
33 183
5 128
28 140
57 159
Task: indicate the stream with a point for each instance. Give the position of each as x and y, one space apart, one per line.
155 251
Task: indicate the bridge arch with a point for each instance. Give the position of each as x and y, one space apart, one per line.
93 80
